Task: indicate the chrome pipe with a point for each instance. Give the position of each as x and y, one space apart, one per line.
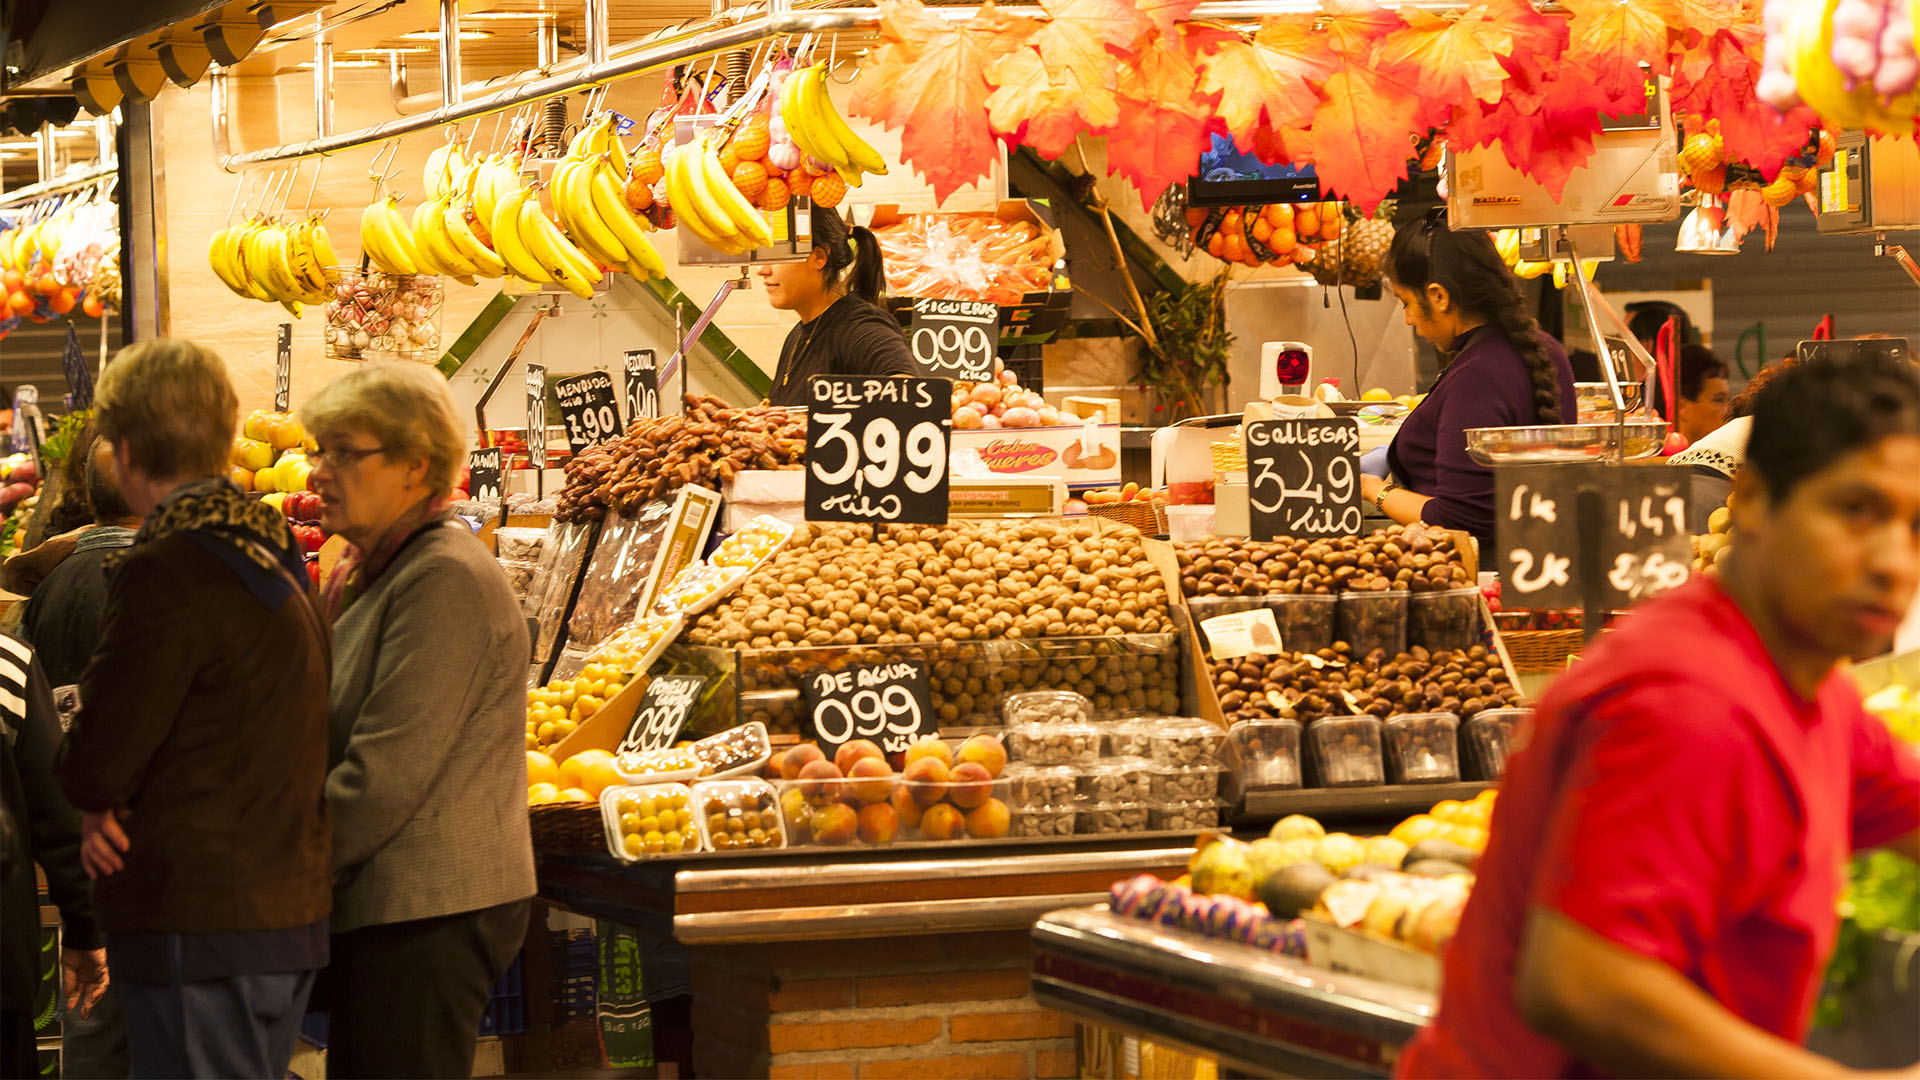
596 31
43 151
547 40
397 79
450 52
65 184
322 78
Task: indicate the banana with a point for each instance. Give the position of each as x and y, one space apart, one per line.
384 235
245 263
323 247
461 232
574 200
268 252
698 208
801 108
216 258
437 176
567 264
445 251
859 154
746 220
307 266
611 208
422 245
507 240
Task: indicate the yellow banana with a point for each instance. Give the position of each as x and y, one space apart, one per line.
445 251
611 207
460 231
323 248
568 265
859 153
384 235
216 258
746 220
575 202
507 240
696 206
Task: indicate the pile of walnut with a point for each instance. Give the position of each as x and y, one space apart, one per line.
1412 557
707 446
835 585
1258 687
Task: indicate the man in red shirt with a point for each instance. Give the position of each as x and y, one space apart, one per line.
1659 894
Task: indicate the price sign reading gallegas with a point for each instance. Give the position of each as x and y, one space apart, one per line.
283 368
877 449
537 415
1303 478
889 704
642 379
588 406
955 338
484 469
663 710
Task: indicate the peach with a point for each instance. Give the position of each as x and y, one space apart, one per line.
930 746
988 820
799 816
907 807
835 823
875 780
854 751
815 777
878 824
972 785
797 758
771 770
927 778
986 751
941 822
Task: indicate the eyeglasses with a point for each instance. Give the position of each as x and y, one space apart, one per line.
338 460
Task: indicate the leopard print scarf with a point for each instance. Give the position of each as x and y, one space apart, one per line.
218 511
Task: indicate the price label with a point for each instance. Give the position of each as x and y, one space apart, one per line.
283 368
663 710
877 449
537 415
1303 477
587 405
888 704
1607 535
955 338
79 376
1644 546
484 470
642 384
25 400
1536 513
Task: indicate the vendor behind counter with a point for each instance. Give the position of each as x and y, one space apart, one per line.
836 292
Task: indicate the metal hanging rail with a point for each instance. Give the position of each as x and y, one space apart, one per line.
75 182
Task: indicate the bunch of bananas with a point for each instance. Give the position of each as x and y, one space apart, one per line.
1507 243
588 196
445 168
817 128
27 248
706 200
387 240
266 260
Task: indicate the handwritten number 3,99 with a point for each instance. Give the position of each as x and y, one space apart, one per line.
880 446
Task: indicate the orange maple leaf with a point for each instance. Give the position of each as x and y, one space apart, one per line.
1166 123
1082 37
1457 58
1362 135
1040 108
1165 16
1270 80
1353 27
1612 38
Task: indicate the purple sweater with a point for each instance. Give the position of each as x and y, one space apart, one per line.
1486 385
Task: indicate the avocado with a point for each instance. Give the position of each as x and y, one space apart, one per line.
1441 849
1291 890
1435 868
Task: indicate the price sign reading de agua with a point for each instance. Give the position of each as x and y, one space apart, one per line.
877 449
1303 477
955 338
889 704
588 406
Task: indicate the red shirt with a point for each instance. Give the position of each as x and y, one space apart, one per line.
1682 802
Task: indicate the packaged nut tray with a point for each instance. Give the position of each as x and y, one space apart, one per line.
1488 738
1447 619
617 572
1132 737
698 588
1042 821
1051 743
1346 751
1261 755
649 819
1044 706
752 545
1421 748
1307 621
1181 740
1113 780
656 766
519 542
634 648
734 751
519 576
1416 558
1339 682
739 815
1374 620
1189 816
1030 786
1183 783
1110 818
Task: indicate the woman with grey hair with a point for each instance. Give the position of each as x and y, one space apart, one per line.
432 857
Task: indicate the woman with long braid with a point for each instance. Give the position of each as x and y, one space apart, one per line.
1499 370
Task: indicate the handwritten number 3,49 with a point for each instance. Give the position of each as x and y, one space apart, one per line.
877 454
868 714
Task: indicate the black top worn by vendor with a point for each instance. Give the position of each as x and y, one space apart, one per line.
843 329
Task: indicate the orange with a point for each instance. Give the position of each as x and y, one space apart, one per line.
1473 837
778 194
751 178
646 164
539 794
1415 829
541 769
574 794
752 141
1449 811
601 776
800 183
574 770
828 190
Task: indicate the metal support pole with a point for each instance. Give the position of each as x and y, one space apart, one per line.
547 40
450 52
44 147
322 79
596 32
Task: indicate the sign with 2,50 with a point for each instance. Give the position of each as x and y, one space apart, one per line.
1603 536
1303 478
955 338
588 406
877 449
889 704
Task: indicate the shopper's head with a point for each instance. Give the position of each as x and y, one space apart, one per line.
844 260
1452 282
169 412
104 501
389 439
1703 393
1826 508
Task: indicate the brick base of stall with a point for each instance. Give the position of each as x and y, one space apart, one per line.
939 1005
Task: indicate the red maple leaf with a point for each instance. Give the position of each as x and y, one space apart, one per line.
1352 27
1717 84
1277 146
1083 37
1362 135
1029 105
1456 58
1269 80
1612 38
1544 125
1536 37
943 119
1165 123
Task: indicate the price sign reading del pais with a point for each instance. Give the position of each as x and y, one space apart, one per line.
877 449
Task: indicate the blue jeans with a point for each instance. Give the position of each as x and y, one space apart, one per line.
95 1047
239 1026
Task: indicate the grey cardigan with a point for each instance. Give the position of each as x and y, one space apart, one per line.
427 775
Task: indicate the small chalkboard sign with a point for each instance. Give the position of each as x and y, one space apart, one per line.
1536 515
642 384
954 339
663 710
888 703
537 415
283 368
1600 536
588 406
73 362
484 471
1644 547
1303 477
877 449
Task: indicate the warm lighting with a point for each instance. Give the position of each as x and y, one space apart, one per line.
434 35
504 16
343 63
408 50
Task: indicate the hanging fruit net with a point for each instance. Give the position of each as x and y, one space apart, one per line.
378 316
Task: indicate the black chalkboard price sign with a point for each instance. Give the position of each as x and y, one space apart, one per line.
663 709
888 703
955 338
1644 545
1595 536
283 368
537 415
588 406
1303 477
484 470
1536 516
642 384
877 449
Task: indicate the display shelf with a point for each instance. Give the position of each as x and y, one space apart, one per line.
1257 1012
1353 803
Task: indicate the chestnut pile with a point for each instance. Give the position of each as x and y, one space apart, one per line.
707 446
1414 557
1333 682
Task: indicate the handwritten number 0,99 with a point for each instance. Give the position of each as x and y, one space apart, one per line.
868 714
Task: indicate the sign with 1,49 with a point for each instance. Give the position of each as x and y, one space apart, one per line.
1303 477
589 408
955 338
877 449
1590 535
889 704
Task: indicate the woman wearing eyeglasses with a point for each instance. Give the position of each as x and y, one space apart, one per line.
432 857
1499 369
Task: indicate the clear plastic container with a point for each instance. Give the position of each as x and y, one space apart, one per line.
698 588
1261 755
1042 821
1113 780
674 763
739 815
519 576
1030 786
1183 783
1422 748
1488 739
1132 737
1188 816
734 751
1448 619
1374 620
519 543
841 812
955 811
1307 621
649 820
1346 751
1110 818
1046 706
1182 740
1053 743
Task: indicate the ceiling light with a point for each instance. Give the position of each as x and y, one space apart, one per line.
503 16
434 35
342 63
405 50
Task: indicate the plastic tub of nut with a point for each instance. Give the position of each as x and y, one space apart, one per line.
1132 737
1116 817
1307 621
1183 783
1374 620
1183 815
739 815
1046 706
1446 619
734 751
1422 748
646 820
1345 751
1488 739
1113 780
1042 821
1261 755
1181 740
1054 743
1035 786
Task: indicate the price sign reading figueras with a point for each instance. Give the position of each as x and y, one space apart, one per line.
537 415
283 368
642 384
1303 477
877 449
888 704
663 709
587 404
484 471
955 338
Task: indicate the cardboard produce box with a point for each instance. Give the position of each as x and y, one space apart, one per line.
1039 314
1084 456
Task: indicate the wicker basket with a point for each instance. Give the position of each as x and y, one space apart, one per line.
1541 650
1140 515
568 826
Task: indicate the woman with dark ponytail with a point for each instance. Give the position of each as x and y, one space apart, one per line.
836 292
1500 370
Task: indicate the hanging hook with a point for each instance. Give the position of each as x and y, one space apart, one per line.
238 186
307 209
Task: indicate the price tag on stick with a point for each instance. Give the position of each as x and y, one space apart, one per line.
79 376
877 449
642 385
537 415
283 368
663 710
588 407
889 704
955 338
483 473
1303 478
